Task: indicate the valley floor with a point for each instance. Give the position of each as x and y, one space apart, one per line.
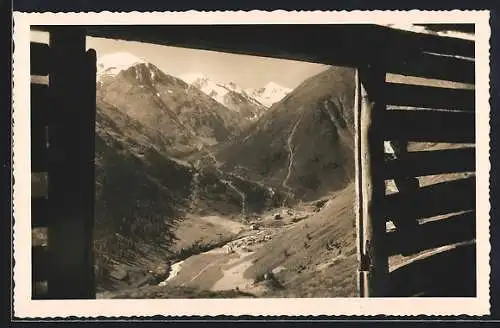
256 258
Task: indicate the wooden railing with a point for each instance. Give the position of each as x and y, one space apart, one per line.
62 146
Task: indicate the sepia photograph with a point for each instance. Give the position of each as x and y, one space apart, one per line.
252 161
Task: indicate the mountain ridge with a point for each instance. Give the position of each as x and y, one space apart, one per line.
262 98
186 117
277 149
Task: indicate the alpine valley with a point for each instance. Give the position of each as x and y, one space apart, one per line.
208 189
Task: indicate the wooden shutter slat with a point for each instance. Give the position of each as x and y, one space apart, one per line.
434 66
420 96
433 234
421 163
429 126
437 199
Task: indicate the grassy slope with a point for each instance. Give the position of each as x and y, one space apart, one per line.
303 248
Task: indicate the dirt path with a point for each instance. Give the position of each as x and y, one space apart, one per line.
291 155
242 195
229 183
195 185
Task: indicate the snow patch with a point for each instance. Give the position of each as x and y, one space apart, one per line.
211 88
113 64
270 94
260 97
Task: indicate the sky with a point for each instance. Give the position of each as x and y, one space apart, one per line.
246 71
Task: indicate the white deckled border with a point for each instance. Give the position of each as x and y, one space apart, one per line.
24 307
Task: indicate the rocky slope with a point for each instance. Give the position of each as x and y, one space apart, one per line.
184 118
304 143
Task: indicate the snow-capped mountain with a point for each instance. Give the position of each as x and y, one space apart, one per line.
245 107
215 90
184 117
229 94
111 65
268 95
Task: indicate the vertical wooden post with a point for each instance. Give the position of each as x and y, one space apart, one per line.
361 273
71 168
370 173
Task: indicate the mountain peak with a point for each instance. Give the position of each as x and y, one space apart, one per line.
273 85
229 94
205 84
270 94
114 63
194 77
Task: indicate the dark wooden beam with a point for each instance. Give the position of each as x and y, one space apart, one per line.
354 44
429 126
41 264
39 151
464 28
433 234
429 97
437 199
421 163
435 67
40 58
71 174
418 63
39 212
40 104
451 273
